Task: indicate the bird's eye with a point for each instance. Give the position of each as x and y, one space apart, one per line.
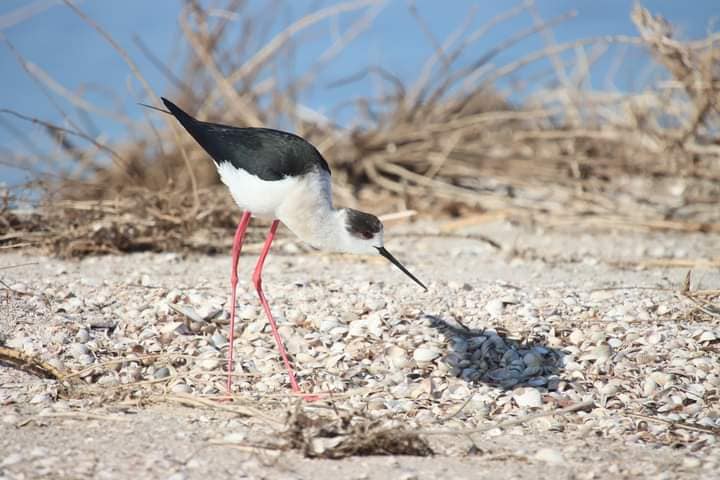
367 235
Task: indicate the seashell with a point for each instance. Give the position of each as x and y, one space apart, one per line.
219 341
499 374
707 336
537 382
459 391
82 335
133 373
527 398
696 389
209 363
661 378
473 343
77 350
516 368
532 359
57 363
459 344
511 356
496 341
645 357
375 303
704 363
376 404
332 361
328 324
713 380
609 389
357 349
209 307
181 387
402 405
375 325
305 358
426 354
470 374
108 380
339 331
319 445
495 307
357 328
41 398
550 456
576 337
649 387
86 360
600 353
247 312
663 309
295 316
183 310
396 357
691 463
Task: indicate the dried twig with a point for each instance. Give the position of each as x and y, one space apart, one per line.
29 363
676 424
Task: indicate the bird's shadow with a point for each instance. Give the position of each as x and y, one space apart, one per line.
493 357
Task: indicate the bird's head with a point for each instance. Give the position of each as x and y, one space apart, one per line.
364 235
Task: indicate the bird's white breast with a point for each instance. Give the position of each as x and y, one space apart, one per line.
304 203
261 197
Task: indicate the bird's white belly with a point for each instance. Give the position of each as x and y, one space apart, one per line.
261 197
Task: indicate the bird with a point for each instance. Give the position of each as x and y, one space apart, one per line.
280 176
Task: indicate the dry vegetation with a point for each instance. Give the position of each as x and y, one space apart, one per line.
448 142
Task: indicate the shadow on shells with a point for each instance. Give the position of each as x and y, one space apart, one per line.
490 356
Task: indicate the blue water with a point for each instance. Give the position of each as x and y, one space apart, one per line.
76 57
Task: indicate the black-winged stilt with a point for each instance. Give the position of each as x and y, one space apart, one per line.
282 177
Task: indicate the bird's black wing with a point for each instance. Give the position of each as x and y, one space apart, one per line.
263 152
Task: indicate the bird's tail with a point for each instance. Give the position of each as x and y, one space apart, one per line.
185 120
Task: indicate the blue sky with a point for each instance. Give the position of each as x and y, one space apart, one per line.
77 58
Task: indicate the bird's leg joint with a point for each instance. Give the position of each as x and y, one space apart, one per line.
257 281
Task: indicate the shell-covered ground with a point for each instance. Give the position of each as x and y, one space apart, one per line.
562 354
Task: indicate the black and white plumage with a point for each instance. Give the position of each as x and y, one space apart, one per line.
276 174
268 154
282 177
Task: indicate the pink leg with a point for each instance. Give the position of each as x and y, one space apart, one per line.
257 280
237 246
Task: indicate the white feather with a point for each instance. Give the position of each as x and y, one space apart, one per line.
303 204
261 197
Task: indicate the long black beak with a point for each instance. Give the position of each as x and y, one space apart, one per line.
395 262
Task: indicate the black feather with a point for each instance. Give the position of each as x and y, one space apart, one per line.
263 152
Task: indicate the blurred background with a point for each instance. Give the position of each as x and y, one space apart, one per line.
543 110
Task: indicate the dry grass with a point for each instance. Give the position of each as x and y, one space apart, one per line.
449 142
